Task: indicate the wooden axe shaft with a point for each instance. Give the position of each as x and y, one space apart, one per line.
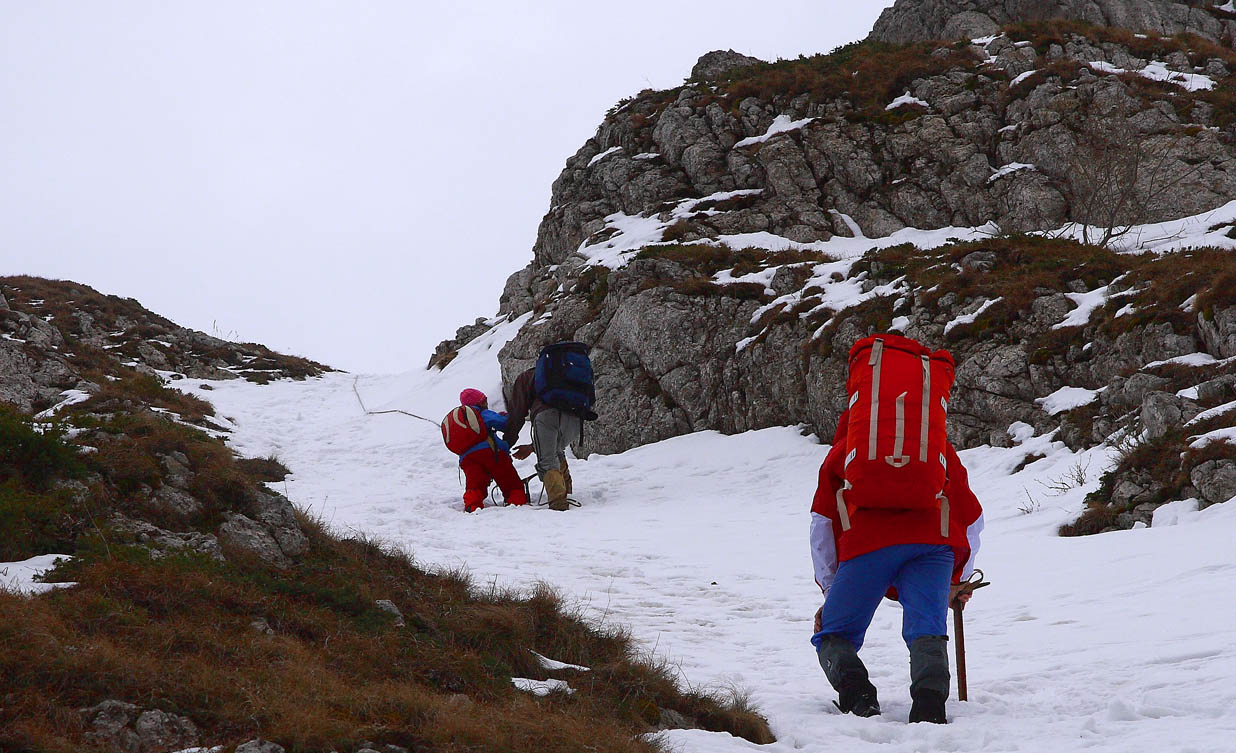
960 631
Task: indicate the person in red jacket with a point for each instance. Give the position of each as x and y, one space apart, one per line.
901 553
489 460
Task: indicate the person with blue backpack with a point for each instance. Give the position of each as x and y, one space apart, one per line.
557 395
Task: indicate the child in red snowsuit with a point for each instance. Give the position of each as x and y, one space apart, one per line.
489 460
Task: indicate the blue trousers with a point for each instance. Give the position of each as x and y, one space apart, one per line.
921 573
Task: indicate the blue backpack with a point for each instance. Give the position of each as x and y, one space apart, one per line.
563 379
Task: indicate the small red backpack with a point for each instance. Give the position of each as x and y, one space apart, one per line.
463 428
896 440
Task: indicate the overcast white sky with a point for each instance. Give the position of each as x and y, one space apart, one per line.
348 181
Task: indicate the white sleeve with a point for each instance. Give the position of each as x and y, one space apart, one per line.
823 551
972 535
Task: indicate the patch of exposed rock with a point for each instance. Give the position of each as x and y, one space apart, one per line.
51 331
270 532
718 63
923 20
126 728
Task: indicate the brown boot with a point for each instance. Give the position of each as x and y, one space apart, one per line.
566 475
555 487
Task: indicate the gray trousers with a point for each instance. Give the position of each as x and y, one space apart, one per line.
552 432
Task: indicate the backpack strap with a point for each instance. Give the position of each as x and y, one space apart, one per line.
922 432
899 459
943 499
876 361
843 512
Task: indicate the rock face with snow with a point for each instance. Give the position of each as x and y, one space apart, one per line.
919 20
706 240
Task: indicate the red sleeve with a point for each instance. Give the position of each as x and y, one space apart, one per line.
964 510
965 506
832 472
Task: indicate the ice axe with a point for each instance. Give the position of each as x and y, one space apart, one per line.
970 585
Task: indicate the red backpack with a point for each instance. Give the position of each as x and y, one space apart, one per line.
896 438
463 428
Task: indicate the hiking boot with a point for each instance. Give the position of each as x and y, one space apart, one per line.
555 488
566 474
929 678
860 702
848 676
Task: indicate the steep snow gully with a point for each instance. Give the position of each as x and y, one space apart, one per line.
1122 642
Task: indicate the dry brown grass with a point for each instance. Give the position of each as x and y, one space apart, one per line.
869 74
263 469
175 634
707 259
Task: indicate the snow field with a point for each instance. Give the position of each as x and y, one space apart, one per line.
1118 642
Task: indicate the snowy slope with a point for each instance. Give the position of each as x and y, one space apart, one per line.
1119 642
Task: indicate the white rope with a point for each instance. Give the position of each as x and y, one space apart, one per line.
380 412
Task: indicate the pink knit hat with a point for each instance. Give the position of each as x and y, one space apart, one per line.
472 397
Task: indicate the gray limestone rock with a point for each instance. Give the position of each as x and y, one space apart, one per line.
1219 332
176 502
1162 412
277 513
110 723
176 467
162 542
671 719
716 64
259 746
1217 391
1215 480
918 20
388 606
246 536
160 732
126 728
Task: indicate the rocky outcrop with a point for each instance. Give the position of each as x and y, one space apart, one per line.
921 20
715 64
1215 480
161 542
272 534
706 240
99 365
41 316
126 728
967 148
448 349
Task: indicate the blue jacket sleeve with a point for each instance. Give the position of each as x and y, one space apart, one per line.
495 421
